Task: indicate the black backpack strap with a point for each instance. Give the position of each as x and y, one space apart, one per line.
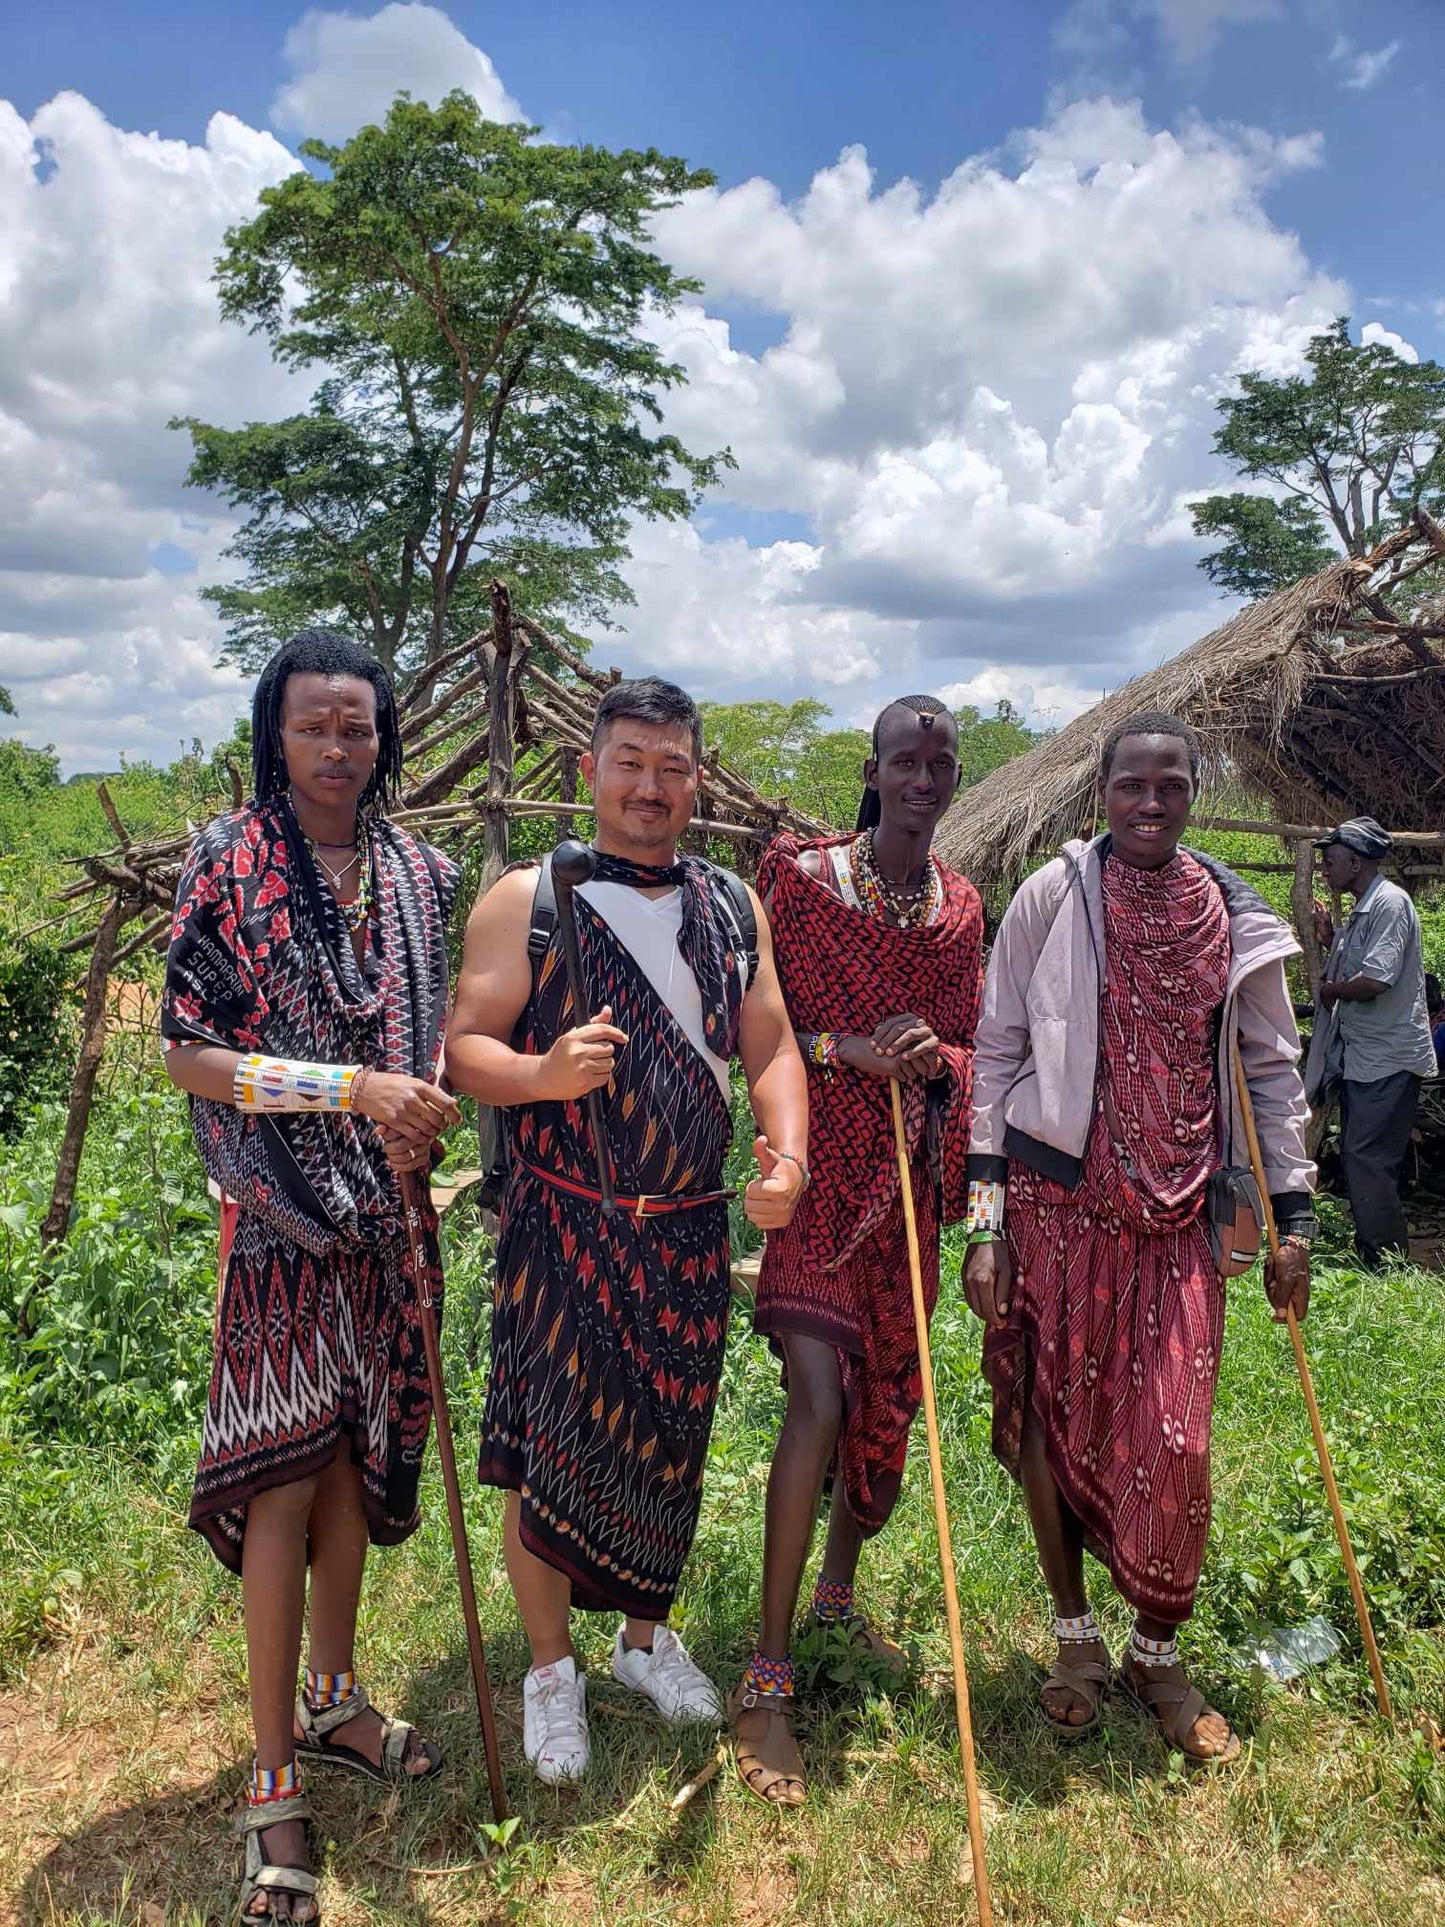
492 1128
744 916
544 913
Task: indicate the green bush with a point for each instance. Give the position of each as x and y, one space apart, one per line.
35 1031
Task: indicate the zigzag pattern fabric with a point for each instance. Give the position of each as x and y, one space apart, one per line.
317 1339
608 1334
1117 1313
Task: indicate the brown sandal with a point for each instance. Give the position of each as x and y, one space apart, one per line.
764 1748
1090 1681
1176 1707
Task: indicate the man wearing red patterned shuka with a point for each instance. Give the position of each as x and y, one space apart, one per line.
1130 983
879 951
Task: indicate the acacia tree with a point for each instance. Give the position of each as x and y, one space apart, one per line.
475 300
1353 447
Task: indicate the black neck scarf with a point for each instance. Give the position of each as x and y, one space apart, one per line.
708 938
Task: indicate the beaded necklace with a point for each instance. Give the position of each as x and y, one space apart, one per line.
910 910
354 913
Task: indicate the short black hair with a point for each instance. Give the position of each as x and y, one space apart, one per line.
1433 996
1152 722
870 806
648 699
322 652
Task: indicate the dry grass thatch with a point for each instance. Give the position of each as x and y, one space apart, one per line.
1285 706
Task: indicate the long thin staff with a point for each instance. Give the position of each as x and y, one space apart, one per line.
574 863
1327 1471
421 1272
940 1515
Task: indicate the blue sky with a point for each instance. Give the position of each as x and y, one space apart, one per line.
936 477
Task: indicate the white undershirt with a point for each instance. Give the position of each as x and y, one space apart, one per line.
647 928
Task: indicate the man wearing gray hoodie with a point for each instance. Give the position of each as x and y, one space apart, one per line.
1129 980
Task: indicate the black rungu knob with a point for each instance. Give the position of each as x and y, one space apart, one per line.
574 863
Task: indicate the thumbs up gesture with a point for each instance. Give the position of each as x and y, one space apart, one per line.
772 1197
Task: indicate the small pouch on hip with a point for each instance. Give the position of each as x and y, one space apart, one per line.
1235 1211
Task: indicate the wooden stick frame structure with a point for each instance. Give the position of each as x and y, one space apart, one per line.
962 1710
446 1451
1322 1450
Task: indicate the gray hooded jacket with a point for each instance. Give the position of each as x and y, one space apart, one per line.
1036 1054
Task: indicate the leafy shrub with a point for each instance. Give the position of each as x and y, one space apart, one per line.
119 1316
35 1031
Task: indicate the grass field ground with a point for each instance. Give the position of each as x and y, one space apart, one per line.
123 1739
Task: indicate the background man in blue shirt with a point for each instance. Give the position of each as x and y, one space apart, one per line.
1372 1046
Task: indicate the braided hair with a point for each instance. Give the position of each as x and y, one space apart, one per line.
322 652
870 806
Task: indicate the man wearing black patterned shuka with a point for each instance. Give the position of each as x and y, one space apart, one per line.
608 1332
306 988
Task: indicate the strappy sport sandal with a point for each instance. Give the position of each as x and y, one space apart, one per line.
262 1876
1175 1708
1090 1679
764 1748
316 1742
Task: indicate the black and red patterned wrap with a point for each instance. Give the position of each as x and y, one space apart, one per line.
608 1333
317 1339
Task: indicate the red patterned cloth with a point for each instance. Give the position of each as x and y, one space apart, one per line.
1117 1312
839 1272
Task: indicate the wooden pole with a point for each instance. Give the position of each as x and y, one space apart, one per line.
87 1064
1327 1471
961 1707
500 738
566 790
431 1344
1302 903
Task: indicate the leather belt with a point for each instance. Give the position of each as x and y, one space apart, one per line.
644 1205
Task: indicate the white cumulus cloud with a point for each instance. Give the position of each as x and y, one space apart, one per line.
1375 335
993 402
1361 67
108 327
987 407
347 68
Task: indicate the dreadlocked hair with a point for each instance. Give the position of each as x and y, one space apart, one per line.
870 808
323 652
1152 722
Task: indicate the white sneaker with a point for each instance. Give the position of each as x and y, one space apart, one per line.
679 1690
554 1722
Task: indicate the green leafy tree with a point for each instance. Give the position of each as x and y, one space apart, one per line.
1353 447
784 749
7 706
474 300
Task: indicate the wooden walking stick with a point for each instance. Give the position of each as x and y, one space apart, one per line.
1327 1471
940 1515
421 1273
574 863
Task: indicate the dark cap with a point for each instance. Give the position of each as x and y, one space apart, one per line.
1362 834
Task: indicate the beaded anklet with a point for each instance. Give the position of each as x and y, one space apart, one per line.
270 1783
832 1600
769 1678
1153 1652
329 1689
1082 1630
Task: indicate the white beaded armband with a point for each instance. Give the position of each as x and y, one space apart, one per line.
280 1084
985 1206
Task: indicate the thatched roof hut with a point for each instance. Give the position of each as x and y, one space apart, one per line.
1319 698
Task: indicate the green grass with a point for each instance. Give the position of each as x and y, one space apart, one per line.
123 1730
